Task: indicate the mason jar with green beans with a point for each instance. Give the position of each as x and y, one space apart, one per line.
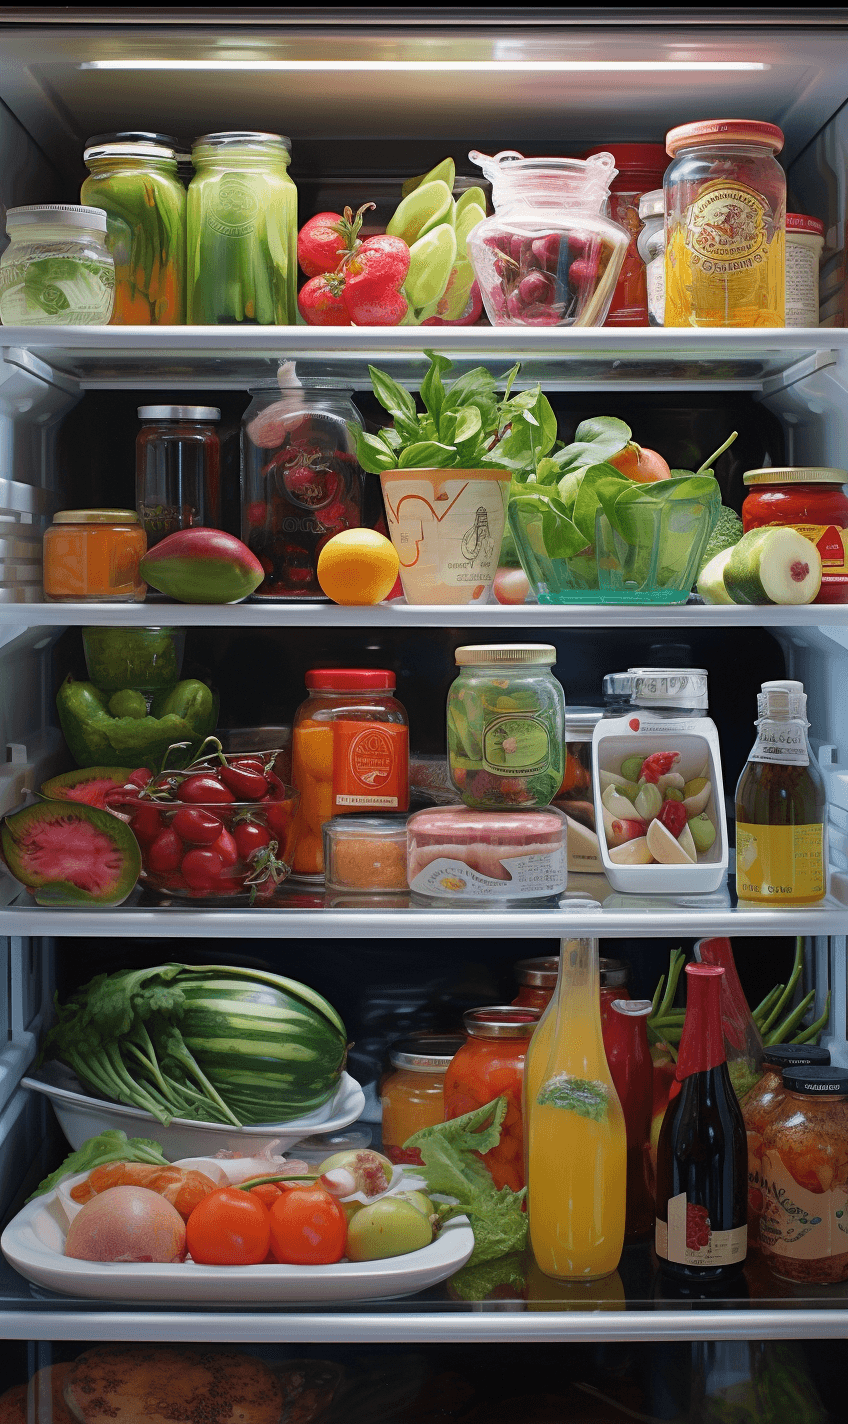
135 181
242 231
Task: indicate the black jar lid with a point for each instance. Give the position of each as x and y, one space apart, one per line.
796 1055
817 1082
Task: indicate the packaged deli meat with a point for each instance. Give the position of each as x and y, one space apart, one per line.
457 855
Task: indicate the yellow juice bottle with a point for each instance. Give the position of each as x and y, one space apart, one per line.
577 1147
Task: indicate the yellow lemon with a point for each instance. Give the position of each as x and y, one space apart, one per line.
358 566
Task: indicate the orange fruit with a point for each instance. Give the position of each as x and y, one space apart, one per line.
358 566
644 466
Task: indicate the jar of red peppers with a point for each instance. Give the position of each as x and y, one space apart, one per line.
537 981
759 1107
491 1063
813 501
412 1095
640 169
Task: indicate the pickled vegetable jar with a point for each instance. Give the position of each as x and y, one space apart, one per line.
242 231
57 269
136 184
759 1106
725 213
537 980
412 1095
490 1064
813 501
93 556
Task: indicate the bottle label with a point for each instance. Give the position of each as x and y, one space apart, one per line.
529 877
689 1239
370 766
516 744
780 862
726 229
799 1224
784 742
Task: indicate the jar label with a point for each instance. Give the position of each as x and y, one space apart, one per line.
780 862
689 1239
529 877
370 765
802 284
233 209
800 1224
516 744
726 228
782 742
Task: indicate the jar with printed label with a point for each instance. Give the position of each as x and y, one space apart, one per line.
725 222
781 806
760 1104
804 247
813 501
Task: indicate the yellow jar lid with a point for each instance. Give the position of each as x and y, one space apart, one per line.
96 516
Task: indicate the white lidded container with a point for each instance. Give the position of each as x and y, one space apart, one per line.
804 246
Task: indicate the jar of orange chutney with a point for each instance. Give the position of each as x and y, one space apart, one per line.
491 1064
412 1096
93 556
350 753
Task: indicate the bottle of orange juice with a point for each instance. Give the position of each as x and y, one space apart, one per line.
577 1145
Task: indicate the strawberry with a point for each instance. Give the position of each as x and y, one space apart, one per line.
320 302
326 239
374 275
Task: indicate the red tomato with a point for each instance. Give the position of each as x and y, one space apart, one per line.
250 837
166 852
145 822
229 1228
139 777
205 790
267 1193
201 868
226 848
247 763
197 827
308 1228
245 785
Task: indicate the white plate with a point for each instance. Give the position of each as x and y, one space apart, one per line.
34 1242
81 1116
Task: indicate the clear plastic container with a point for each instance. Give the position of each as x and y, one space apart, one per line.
456 856
365 853
412 1095
651 246
640 169
57 269
575 796
548 256
177 469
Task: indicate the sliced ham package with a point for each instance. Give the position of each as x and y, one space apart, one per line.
457 855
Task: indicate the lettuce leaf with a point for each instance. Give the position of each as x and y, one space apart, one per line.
110 1146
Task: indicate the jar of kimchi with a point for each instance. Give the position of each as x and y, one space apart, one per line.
489 1064
412 1095
759 1107
536 979
804 1222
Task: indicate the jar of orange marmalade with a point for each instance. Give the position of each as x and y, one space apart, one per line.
813 501
488 1065
412 1096
93 556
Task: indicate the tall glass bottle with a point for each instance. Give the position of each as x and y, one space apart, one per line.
577 1146
702 1155
629 1057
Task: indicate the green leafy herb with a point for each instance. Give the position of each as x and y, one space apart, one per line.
110 1146
504 1273
577 1095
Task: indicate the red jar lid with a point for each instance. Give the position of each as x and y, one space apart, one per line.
723 131
350 680
799 222
501 1021
634 158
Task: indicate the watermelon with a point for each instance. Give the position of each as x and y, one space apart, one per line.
70 854
88 786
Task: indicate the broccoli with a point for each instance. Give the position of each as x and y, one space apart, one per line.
727 531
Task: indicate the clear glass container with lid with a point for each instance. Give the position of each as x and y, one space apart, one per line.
575 793
725 207
57 269
548 256
536 979
490 1064
93 556
668 692
242 231
177 469
813 500
412 1095
366 853
505 726
133 177
759 1106
651 245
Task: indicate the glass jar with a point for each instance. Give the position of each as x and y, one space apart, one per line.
366 853
804 247
93 556
301 483
490 1064
505 725
548 256
350 753
412 1096
574 796
651 245
242 231
759 1106
57 269
640 168
804 1222
144 659
812 500
725 204
136 183
177 469
537 980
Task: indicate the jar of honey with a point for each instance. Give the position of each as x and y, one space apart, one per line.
490 1064
537 981
412 1096
93 556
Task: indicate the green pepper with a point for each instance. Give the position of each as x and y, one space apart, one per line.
186 712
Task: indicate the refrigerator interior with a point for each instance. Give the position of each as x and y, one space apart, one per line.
338 85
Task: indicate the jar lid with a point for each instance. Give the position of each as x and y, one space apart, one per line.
95 516
242 138
477 653
634 157
797 1055
501 1021
633 1008
652 205
350 680
179 412
817 1082
541 972
580 722
785 696
709 131
613 972
796 475
63 214
129 149
162 140
367 827
669 687
424 1052
800 222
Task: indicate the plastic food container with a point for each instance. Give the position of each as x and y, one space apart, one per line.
665 692
804 247
575 794
93 556
813 501
365 853
447 527
537 980
651 246
412 1095
490 1064
177 469
57 269
640 168
459 856
145 659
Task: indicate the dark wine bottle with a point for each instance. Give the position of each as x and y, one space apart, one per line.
702 1155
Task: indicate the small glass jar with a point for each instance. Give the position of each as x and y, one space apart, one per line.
759 1106
506 726
301 483
725 204
57 269
537 980
177 469
651 245
813 500
350 753
135 181
365 853
640 168
804 247
490 1064
412 1096
804 1222
548 256
93 556
575 794
613 974
242 231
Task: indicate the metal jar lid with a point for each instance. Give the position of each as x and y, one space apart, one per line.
613 972
541 972
96 516
476 653
709 132
200 413
796 475
62 214
817 1082
501 1021
580 723
129 148
425 1052
796 1055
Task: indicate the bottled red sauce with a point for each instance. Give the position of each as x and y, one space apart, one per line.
491 1063
812 500
640 169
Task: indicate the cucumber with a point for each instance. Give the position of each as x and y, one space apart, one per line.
773 565
710 583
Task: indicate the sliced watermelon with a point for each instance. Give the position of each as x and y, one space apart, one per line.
71 854
88 785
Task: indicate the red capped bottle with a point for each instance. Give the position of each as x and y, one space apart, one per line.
702 1155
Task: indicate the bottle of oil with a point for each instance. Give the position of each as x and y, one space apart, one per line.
781 806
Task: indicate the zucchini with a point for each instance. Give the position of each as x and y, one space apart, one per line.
773 565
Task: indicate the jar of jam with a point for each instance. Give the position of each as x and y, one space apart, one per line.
640 168
813 500
537 981
758 1108
804 1223
412 1095
613 984
93 556
488 1065
350 753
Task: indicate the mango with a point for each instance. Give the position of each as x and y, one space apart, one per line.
202 566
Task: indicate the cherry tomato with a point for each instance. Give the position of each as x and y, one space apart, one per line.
229 1228
197 827
226 848
205 789
146 823
248 763
166 851
250 837
140 777
201 868
245 785
308 1228
267 1193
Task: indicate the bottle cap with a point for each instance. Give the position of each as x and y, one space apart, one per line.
350 680
477 653
60 214
95 516
796 1055
785 698
652 205
501 1021
817 1082
633 1008
720 131
669 687
801 222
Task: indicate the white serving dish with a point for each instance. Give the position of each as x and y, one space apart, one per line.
81 1116
696 739
34 1242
